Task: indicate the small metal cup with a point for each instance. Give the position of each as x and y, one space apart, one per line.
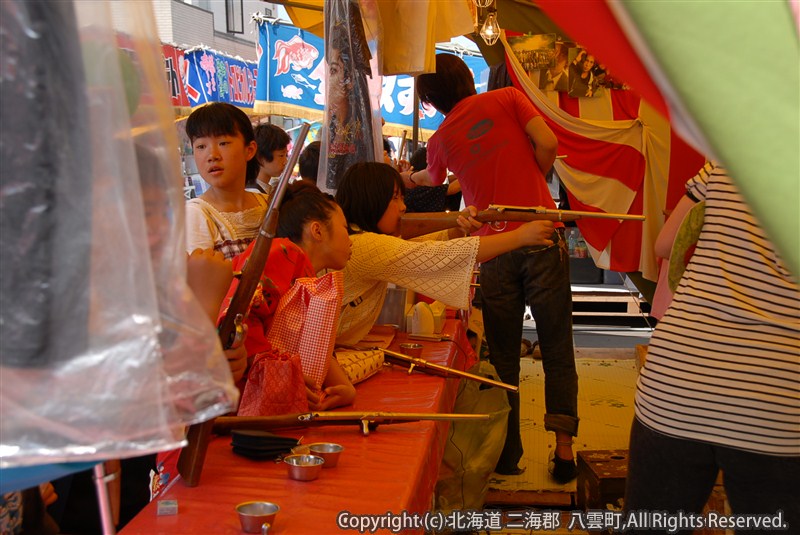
257 517
412 350
303 467
328 451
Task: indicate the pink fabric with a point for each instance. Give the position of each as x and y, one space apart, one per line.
275 385
305 322
483 142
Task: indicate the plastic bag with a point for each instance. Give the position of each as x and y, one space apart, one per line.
104 351
352 115
472 448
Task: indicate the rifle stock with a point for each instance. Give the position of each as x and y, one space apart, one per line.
366 420
231 331
421 223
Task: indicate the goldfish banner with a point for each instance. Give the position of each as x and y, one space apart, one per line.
291 79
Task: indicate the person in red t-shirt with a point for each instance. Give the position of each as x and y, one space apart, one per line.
500 149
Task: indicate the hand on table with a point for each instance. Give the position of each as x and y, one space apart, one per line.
329 397
337 396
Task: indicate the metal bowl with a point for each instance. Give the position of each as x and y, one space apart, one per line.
304 467
412 350
328 451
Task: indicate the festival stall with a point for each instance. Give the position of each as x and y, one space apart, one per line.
105 352
678 112
291 81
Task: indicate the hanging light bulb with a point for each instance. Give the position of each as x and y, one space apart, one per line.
483 3
490 31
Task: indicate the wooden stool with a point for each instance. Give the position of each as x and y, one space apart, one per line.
601 478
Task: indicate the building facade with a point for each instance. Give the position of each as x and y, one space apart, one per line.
222 25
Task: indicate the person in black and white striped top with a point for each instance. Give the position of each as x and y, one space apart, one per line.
721 386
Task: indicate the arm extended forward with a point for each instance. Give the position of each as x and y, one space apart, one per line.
421 223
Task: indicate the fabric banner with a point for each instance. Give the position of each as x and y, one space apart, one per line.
210 76
291 72
352 132
749 122
619 160
174 68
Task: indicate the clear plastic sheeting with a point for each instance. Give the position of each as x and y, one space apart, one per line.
104 353
352 131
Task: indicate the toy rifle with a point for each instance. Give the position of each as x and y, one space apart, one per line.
421 223
368 421
231 330
432 368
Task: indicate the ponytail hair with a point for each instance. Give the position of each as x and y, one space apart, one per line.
303 203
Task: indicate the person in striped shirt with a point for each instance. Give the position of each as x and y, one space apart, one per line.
720 388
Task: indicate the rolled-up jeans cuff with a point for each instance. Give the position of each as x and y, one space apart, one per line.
561 422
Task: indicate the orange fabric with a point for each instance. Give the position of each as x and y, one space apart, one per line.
395 468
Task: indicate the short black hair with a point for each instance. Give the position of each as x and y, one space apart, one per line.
309 161
302 203
365 191
222 119
419 160
270 138
450 84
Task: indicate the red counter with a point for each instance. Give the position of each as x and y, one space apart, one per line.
394 469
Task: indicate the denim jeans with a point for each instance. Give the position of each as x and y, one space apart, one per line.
538 276
673 474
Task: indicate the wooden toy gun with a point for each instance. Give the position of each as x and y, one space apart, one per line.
231 330
421 223
367 421
432 368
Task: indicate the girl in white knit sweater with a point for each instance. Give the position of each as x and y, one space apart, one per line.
371 196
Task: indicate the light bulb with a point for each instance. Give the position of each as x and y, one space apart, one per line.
490 31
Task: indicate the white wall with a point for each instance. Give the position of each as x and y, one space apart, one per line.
189 23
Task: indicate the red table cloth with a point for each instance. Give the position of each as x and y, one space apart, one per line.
394 469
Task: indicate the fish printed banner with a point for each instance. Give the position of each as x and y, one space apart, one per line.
210 76
291 78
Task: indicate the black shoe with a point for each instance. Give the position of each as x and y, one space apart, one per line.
563 471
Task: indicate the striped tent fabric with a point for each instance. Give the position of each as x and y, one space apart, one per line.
621 157
725 74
